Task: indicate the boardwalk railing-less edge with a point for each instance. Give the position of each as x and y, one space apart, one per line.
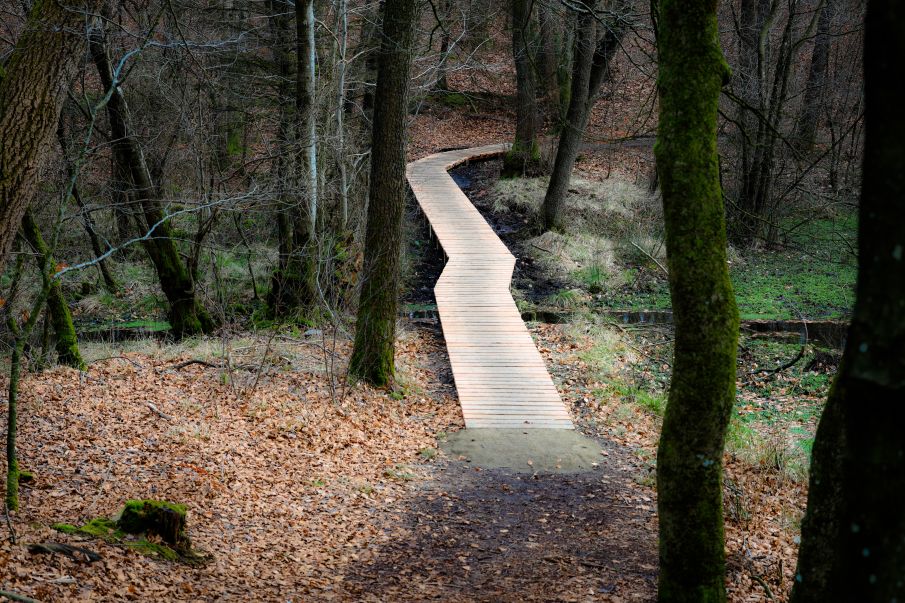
500 375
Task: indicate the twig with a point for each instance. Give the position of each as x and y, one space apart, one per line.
63 549
186 363
158 412
17 597
763 583
652 258
779 369
541 248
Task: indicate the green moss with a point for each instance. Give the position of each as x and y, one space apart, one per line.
523 159
99 527
26 477
162 518
66 528
157 518
153 549
103 528
452 99
12 485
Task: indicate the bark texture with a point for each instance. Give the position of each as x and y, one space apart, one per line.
593 52
853 533
373 354
689 459
524 157
187 316
32 93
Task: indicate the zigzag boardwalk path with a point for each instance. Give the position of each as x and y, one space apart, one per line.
500 375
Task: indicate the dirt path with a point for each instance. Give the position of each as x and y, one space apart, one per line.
496 535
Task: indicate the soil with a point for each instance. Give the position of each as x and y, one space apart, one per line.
512 517
496 535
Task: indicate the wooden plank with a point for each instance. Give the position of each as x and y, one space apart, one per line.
501 377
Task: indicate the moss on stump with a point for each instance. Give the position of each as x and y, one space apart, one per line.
161 521
157 517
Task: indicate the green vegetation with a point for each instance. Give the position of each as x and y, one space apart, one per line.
143 518
613 242
774 416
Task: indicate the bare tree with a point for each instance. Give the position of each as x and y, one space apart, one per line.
375 332
597 36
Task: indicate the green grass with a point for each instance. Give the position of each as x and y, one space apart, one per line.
813 277
593 277
153 326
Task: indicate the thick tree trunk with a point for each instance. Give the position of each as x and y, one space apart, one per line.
689 459
67 344
853 533
373 355
815 90
187 315
524 157
592 57
32 94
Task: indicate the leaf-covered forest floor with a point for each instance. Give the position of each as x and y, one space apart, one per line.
302 487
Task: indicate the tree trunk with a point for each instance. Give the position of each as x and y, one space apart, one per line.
38 74
815 90
853 533
524 157
548 57
689 458
576 119
293 287
442 84
373 355
67 344
592 57
187 315
306 109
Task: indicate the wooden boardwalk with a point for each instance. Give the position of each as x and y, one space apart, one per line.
500 376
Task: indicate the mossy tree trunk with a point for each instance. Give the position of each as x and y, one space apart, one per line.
32 93
186 314
67 344
375 333
20 339
593 51
702 392
524 156
853 533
